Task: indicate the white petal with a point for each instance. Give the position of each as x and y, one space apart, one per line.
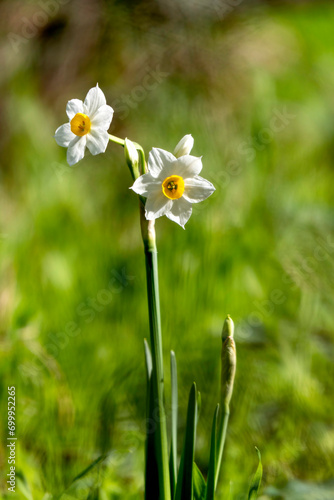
97 140
64 135
184 146
73 107
146 185
159 159
94 100
188 166
197 189
76 150
102 117
180 211
157 205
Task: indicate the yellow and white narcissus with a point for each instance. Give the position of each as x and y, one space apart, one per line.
172 185
88 125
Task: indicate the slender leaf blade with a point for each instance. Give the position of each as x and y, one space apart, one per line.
89 468
184 487
23 485
174 408
199 484
148 360
211 483
256 482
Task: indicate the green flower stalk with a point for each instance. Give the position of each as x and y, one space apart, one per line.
151 261
228 369
132 153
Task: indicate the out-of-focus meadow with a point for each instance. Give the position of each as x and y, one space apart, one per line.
253 82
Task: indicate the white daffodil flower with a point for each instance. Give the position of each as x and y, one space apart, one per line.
172 185
88 125
184 146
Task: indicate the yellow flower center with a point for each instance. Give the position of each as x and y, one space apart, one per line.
80 124
173 187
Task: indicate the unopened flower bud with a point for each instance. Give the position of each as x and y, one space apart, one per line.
131 154
228 328
228 360
184 146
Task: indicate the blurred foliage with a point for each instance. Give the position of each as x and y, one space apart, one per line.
253 83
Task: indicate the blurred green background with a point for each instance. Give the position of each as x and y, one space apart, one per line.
253 82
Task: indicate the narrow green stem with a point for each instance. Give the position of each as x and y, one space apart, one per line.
221 438
151 261
116 140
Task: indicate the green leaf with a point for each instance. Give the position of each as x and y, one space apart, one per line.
173 446
256 482
148 360
89 468
210 489
184 487
199 406
94 494
199 484
23 485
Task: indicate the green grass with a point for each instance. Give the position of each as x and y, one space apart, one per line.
255 250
